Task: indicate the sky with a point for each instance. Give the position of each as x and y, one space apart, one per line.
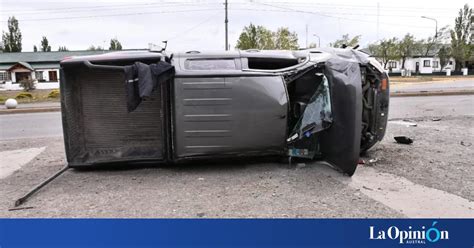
199 24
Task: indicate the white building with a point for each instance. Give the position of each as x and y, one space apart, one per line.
42 67
420 65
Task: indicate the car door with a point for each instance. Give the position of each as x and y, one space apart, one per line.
219 110
326 108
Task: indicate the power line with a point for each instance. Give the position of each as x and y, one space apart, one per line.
352 6
417 16
185 32
104 9
109 15
337 17
93 7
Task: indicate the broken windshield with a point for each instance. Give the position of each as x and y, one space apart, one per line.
317 114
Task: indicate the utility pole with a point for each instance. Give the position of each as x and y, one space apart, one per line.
226 29
378 17
306 35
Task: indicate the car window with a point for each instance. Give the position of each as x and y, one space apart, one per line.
209 64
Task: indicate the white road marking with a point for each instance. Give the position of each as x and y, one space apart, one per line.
413 200
13 160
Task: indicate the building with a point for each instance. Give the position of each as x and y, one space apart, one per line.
420 65
42 67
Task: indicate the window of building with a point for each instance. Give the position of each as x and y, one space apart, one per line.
426 63
40 76
210 64
435 64
53 76
450 62
392 64
4 76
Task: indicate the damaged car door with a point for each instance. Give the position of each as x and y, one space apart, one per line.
326 110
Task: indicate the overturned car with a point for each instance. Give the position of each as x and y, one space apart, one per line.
143 106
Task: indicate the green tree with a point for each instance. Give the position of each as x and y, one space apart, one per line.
405 48
346 41
285 40
45 47
115 44
35 49
385 51
255 37
62 49
444 54
461 37
93 48
12 38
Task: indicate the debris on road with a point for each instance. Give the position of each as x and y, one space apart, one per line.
300 165
19 208
403 140
367 188
466 143
200 215
435 119
373 161
408 123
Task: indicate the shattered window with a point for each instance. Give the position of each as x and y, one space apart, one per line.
317 114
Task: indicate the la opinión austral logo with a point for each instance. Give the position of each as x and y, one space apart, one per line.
410 235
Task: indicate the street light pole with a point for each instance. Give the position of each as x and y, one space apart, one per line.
436 22
319 40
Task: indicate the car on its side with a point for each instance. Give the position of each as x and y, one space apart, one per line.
327 104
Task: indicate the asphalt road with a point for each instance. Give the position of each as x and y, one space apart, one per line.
433 177
38 125
32 125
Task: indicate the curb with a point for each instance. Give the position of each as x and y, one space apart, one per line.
28 110
432 93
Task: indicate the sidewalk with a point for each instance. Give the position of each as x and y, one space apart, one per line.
461 86
32 108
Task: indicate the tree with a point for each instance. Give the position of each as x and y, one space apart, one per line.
93 48
312 45
35 49
62 49
12 38
45 47
405 48
385 51
346 41
27 84
115 44
259 37
286 40
461 38
444 54
432 44
255 37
